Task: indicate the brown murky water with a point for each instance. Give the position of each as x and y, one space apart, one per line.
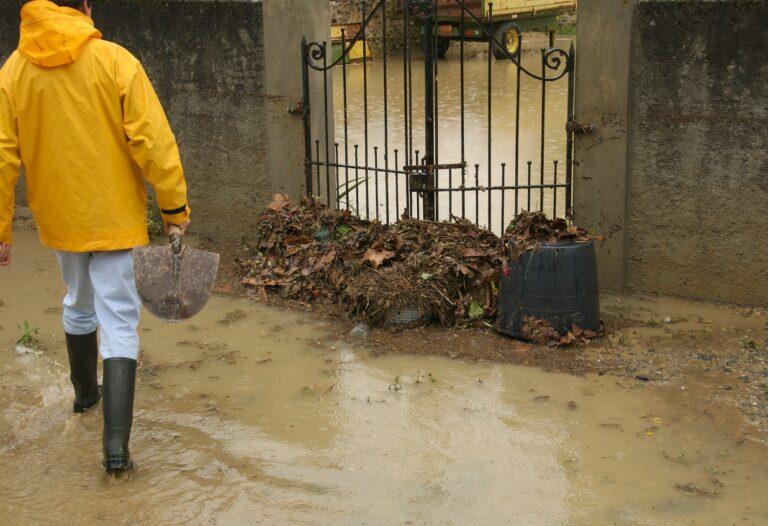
503 126
252 414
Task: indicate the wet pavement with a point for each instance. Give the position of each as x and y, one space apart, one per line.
251 414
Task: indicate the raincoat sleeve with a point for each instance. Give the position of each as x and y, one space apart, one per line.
150 139
10 161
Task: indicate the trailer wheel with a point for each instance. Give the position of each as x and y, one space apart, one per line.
508 34
442 45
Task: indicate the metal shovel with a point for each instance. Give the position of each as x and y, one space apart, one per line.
174 281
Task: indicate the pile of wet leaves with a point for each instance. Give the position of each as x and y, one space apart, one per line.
530 229
413 270
446 272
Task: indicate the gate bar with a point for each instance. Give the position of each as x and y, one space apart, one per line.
429 108
305 115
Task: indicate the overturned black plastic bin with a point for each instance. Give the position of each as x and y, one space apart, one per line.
556 282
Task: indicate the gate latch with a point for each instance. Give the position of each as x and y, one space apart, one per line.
573 126
421 176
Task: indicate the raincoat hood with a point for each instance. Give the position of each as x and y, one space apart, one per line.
53 36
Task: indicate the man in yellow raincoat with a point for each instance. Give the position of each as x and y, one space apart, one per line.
80 115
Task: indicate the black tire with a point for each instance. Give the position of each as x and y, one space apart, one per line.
507 34
443 44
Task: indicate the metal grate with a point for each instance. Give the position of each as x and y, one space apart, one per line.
402 173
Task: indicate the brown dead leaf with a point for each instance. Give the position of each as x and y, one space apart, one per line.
585 334
377 257
470 252
539 331
324 261
568 339
279 201
297 240
251 282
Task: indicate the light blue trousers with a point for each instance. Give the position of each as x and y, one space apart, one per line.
101 292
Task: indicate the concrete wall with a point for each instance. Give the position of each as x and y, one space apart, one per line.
697 218
676 174
226 72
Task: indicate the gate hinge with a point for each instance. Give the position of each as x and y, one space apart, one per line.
573 126
296 109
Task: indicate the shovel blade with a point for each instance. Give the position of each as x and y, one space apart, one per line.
174 288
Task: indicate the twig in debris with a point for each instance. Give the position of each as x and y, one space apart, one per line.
443 295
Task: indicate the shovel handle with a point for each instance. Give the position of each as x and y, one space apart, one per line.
174 232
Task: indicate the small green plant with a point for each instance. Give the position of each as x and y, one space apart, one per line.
28 333
343 230
566 28
396 385
476 310
748 344
713 470
765 389
345 190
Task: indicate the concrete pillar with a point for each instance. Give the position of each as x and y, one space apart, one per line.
285 22
602 100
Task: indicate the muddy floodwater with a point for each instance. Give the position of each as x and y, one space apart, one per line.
250 414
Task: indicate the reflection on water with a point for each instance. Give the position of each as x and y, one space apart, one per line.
251 414
512 158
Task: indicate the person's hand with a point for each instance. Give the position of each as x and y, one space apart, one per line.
183 227
5 254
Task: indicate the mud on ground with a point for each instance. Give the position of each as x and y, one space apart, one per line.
699 353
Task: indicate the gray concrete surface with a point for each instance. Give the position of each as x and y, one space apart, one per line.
226 72
697 192
675 173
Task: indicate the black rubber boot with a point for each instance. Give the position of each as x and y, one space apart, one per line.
119 386
83 352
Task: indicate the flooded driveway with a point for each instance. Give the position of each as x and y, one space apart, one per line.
250 414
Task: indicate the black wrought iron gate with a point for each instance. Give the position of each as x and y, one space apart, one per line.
405 176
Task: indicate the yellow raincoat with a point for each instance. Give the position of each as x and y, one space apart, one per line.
80 115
